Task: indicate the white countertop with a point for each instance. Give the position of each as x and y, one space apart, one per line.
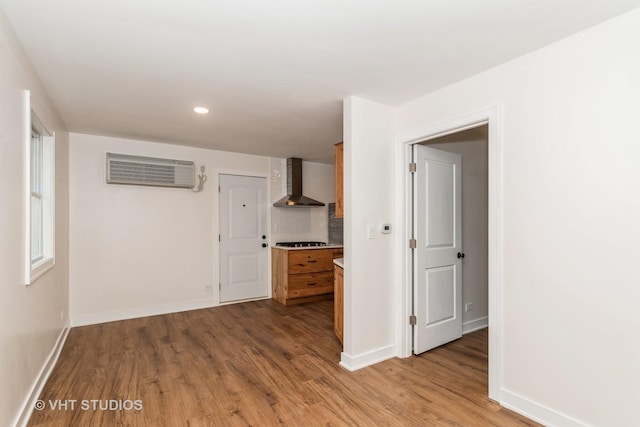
308 247
339 262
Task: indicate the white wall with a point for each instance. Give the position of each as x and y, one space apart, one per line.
297 224
31 318
571 206
472 146
368 200
138 250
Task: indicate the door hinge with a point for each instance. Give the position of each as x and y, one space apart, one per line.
413 243
219 238
219 189
219 286
412 168
413 320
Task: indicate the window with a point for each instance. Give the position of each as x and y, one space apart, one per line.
40 198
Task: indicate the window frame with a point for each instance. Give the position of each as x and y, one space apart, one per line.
39 185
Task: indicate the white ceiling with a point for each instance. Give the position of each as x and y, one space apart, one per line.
272 72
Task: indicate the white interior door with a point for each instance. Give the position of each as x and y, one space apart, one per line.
243 238
437 258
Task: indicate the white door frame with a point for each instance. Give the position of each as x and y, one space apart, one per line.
403 262
216 228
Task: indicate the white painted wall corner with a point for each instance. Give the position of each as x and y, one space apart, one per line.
137 312
475 325
353 363
23 415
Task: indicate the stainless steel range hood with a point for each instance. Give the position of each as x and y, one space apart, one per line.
294 197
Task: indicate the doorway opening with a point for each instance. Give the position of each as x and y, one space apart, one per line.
450 225
491 119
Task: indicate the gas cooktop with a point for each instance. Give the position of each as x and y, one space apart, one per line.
300 244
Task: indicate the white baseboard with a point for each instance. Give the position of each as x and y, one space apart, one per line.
536 411
22 418
244 300
136 312
353 363
475 325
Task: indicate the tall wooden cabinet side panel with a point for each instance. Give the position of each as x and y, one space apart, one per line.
339 149
279 274
338 302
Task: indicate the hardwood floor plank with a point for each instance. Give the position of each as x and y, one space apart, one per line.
261 364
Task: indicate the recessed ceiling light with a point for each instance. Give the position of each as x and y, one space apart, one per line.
201 110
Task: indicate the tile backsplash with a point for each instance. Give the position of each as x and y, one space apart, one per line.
336 230
298 224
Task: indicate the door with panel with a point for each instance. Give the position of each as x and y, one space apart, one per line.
243 238
437 300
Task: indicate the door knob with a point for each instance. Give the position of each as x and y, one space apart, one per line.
264 245
460 255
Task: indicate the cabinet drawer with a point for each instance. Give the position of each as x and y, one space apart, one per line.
309 261
303 285
338 253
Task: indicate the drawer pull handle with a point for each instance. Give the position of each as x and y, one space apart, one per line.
312 260
312 283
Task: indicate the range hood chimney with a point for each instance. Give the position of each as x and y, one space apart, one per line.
294 197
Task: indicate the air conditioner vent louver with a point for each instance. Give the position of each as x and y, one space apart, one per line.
138 170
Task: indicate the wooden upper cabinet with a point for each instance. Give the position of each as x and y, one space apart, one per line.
339 180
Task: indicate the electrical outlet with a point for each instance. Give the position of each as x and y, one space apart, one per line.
468 306
208 288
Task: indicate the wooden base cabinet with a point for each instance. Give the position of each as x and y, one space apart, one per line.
299 276
338 302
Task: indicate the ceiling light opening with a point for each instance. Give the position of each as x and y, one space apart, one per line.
201 110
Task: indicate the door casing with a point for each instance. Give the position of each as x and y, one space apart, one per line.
403 262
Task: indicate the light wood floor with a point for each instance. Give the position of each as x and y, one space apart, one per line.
261 364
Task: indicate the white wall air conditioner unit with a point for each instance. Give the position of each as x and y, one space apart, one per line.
138 170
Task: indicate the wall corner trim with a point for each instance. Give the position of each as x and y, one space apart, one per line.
353 363
23 415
